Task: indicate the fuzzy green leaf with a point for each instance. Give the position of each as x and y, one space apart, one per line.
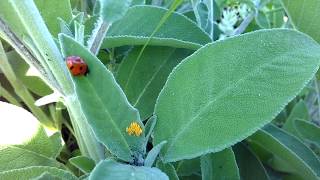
46 176
227 90
111 10
220 165
142 79
188 167
299 111
290 155
308 131
153 154
51 10
104 104
110 170
14 157
250 166
138 2
35 172
178 31
304 15
83 163
168 169
24 141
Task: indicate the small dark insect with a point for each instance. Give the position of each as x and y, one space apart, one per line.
77 65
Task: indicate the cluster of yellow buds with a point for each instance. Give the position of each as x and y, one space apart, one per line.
134 129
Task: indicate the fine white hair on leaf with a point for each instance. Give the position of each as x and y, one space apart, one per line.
97 25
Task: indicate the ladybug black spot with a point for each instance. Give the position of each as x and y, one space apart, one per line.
71 67
81 68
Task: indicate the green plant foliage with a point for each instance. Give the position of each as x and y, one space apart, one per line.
206 13
289 154
29 134
50 10
31 81
308 132
11 18
304 16
36 172
168 169
299 111
165 96
229 89
178 31
153 153
220 165
137 2
151 123
13 157
250 166
188 167
28 145
110 170
262 20
104 104
142 79
112 11
47 176
83 163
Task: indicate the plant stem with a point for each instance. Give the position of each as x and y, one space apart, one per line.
244 24
98 37
21 90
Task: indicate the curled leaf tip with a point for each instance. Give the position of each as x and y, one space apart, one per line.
134 129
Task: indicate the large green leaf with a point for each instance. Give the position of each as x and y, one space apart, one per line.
290 155
138 24
110 170
35 172
304 15
111 10
220 165
104 104
250 166
51 10
142 79
13 157
227 90
23 141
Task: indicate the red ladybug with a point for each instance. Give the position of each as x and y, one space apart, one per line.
76 65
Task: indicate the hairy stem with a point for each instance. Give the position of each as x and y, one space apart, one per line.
98 37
